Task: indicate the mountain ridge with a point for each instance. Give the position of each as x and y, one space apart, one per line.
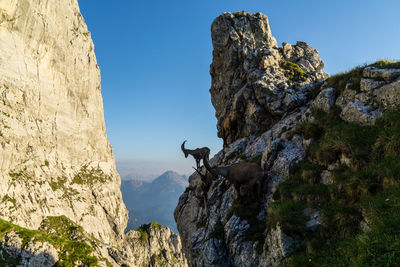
153 201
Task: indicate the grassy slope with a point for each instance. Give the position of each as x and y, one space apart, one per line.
59 232
361 208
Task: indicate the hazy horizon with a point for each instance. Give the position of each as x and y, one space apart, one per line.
147 171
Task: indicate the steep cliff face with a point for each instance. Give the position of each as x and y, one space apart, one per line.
55 156
61 242
59 189
326 146
151 245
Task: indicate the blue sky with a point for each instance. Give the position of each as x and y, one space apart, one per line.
154 58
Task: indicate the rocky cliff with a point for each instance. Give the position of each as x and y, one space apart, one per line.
255 83
61 242
321 143
55 156
55 159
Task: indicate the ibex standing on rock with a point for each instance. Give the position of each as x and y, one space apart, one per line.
242 173
198 153
205 183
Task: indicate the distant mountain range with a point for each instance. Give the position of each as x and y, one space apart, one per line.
153 201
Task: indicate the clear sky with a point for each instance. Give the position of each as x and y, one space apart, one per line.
154 58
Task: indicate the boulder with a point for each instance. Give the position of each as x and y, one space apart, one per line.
324 100
360 113
381 74
388 96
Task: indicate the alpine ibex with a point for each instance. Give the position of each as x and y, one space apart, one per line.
197 153
205 183
242 173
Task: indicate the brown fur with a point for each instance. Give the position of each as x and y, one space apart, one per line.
243 173
205 183
197 153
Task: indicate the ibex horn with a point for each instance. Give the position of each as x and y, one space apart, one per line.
183 146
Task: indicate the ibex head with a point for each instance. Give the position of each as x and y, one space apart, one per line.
184 150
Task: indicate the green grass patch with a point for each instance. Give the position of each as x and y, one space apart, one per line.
58 183
90 176
144 236
352 78
293 71
238 14
365 190
9 199
63 227
386 64
72 252
144 230
156 226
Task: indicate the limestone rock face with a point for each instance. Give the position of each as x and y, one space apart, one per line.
324 100
254 83
155 245
58 238
379 91
212 234
55 158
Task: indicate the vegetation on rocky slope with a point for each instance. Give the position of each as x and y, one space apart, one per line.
67 237
360 207
145 228
352 78
90 176
293 71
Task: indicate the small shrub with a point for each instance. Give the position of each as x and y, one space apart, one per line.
352 78
90 176
238 14
293 71
143 230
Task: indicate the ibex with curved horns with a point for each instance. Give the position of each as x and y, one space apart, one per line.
197 153
242 173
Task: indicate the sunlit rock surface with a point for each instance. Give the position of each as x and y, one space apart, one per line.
55 158
254 83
